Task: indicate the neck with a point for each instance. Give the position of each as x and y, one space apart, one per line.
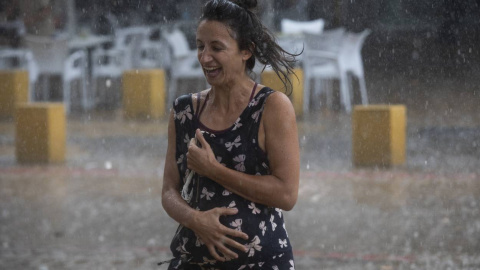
229 98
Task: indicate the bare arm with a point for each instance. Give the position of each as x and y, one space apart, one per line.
280 189
172 201
205 224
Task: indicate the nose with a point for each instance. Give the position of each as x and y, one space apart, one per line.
204 56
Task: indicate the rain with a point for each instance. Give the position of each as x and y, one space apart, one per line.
85 192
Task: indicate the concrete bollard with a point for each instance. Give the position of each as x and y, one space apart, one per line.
378 135
40 135
270 79
13 89
144 93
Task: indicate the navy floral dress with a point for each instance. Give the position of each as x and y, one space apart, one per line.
236 148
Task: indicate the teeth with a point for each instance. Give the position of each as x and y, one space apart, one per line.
210 68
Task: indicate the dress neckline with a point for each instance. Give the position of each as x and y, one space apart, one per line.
209 130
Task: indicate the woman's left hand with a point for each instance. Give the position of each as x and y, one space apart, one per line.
200 159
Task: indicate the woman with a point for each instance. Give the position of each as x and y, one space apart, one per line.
245 161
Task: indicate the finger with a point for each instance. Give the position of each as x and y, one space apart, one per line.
227 211
234 244
214 253
188 160
229 254
236 233
201 139
192 142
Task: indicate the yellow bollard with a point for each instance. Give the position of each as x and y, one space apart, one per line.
40 134
270 79
13 89
144 93
378 135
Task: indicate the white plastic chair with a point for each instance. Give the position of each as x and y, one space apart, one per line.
76 69
123 55
352 60
321 61
128 40
297 27
25 61
51 56
184 65
335 55
106 64
154 53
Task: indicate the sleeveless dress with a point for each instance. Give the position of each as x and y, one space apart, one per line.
236 148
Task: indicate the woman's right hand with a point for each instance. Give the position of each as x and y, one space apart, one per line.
215 235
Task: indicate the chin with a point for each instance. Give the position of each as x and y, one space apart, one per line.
214 82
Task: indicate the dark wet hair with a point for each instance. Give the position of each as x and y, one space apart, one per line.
248 30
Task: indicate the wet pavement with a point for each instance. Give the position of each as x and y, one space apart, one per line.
101 209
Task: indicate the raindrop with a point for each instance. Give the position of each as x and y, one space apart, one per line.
415 55
446 220
108 83
152 242
108 165
101 238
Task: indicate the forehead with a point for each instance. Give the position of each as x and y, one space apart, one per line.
214 30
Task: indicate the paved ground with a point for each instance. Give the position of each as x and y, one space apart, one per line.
101 209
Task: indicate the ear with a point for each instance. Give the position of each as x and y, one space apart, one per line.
246 54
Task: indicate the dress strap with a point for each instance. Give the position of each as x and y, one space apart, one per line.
198 112
253 92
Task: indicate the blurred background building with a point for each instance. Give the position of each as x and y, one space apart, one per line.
407 36
407 26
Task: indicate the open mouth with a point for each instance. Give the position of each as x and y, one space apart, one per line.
212 70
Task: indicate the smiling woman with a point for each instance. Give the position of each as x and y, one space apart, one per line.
232 161
219 55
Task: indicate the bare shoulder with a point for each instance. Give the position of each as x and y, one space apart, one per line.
278 104
202 94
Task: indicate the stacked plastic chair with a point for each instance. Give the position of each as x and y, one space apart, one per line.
52 58
334 55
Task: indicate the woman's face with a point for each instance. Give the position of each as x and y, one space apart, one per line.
218 53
